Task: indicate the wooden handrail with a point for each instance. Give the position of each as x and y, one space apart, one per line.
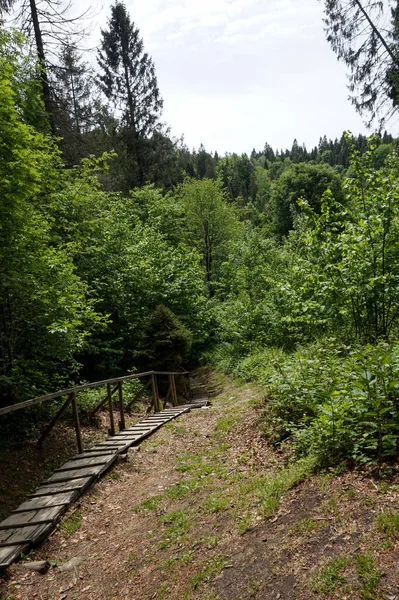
81 388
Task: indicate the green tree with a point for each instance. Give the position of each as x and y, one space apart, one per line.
252 304
45 315
210 223
347 272
130 267
128 79
164 341
75 105
51 25
301 181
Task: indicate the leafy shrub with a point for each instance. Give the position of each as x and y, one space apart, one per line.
333 401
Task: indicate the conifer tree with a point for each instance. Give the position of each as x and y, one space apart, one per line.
128 79
74 104
51 25
364 34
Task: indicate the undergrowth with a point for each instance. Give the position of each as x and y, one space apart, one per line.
328 400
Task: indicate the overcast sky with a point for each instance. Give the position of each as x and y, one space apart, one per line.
237 73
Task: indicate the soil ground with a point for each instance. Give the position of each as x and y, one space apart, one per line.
206 509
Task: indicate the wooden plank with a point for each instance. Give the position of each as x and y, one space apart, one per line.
80 388
155 420
22 535
93 453
57 488
157 417
147 427
155 396
110 443
153 417
111 429
159 423
54 421
132 429
34 517
135 431
30 535
16 520
101 404
122 423
46 501
85 462
129 434
132 436
78 473
10 554
103 451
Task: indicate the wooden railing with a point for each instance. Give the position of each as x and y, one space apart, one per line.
71 394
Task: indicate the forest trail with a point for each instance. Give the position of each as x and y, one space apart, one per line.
208 510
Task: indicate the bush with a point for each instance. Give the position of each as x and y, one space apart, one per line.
332 401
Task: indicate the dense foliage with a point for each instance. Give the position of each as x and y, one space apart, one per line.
328 293
280 267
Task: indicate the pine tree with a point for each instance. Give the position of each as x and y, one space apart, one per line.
128 79
74 104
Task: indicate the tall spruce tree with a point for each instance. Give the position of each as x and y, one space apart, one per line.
75 107
128 79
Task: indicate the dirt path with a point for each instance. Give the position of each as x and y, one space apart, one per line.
206 509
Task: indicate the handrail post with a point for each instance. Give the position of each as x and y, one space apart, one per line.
122 424
54 421
155 392
77 423
174 392
101 403
111 429
188 384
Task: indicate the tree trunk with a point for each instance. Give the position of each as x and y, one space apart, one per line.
42 65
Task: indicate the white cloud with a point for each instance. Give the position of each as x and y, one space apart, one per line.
237 73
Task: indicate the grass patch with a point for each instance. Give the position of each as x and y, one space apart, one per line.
215 504
72 523
268 490
184 558
210 569
330 576
211 596
210 541
369 576
196 464
388 524
225 424
163 591
244 523
183 488
305 526
178 524
179 430
148 504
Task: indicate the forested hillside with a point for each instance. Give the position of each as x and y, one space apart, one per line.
280 267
